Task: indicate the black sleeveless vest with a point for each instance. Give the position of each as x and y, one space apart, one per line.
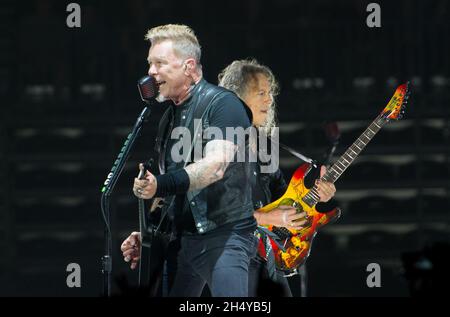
227 200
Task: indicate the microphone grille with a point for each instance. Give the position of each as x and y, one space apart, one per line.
147 88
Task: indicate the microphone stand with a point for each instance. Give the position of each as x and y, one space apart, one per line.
107 190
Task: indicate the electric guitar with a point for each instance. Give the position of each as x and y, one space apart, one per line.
294 246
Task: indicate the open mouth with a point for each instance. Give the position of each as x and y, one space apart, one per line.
160 83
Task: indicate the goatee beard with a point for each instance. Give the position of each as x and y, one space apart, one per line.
160 98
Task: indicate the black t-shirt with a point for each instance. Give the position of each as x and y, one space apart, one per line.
268 188
227 111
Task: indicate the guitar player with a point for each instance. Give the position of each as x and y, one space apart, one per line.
256 85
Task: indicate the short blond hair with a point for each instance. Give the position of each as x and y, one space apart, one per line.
185 42
240 74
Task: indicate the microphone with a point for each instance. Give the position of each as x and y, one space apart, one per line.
332 132
333 135
148 89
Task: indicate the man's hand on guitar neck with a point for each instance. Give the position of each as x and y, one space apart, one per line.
145 188
131 248
326 190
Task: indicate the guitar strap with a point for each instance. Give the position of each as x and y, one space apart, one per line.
293 152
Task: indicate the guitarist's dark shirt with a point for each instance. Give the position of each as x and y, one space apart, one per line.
269 187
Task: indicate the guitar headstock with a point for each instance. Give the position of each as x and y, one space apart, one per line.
396 106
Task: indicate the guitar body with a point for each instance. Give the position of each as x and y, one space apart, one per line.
297 243
153 246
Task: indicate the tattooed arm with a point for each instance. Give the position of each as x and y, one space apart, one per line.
198 175
211 168
227 112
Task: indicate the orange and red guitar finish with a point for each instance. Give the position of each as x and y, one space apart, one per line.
294 246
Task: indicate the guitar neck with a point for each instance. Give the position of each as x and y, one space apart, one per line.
353 151
335 171
142 222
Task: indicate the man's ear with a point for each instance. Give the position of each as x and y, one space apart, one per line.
190 64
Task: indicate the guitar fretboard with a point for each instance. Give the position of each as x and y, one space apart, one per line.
335 171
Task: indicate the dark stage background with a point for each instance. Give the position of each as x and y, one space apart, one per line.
69 99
